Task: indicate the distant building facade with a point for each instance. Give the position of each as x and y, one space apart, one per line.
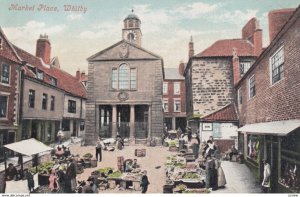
49 97
174 98
268 104
125 90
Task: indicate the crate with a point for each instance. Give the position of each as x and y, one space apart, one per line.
140 152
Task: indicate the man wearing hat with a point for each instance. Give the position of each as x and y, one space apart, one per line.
71 176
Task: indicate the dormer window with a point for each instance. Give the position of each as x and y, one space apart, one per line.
53 81
1 43
40 74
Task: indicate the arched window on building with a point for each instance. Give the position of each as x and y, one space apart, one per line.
123 77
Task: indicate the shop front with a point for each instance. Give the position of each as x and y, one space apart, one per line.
278 143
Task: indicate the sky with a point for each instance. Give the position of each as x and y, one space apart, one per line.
166 25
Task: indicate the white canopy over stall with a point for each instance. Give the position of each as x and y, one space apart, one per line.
28 147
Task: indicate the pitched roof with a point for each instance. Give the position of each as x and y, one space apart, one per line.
172 73
227 113
65 81
153 55
223 48
9 54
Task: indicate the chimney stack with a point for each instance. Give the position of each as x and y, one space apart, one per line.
43 48
78 75
277 19
253 34
236 67
181 68
191 48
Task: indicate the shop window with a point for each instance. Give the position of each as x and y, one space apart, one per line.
66 125
253 147
290 175
49 131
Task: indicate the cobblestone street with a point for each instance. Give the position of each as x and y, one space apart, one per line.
239 179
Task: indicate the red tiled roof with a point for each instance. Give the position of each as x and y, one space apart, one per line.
65 81
68 82
223 48
7 50
227 113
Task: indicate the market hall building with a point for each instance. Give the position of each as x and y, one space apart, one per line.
125 90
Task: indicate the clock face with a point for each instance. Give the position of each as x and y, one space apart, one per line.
131 36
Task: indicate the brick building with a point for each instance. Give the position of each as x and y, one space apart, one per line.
174 98
269 106
125 90
10 66
210 75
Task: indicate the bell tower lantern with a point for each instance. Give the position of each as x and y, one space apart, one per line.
131 31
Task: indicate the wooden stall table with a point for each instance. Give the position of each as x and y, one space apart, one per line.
131 179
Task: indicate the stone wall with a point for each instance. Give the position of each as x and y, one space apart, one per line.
211 84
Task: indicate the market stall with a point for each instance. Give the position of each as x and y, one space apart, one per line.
29 147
